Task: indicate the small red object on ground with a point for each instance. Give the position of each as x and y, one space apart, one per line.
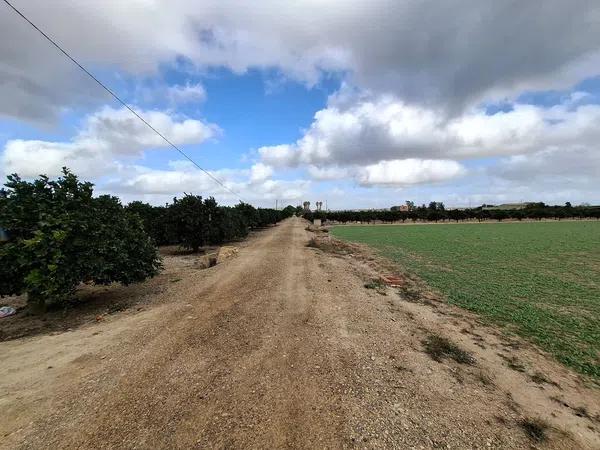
392 280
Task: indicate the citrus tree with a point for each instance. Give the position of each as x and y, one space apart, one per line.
187 222
60 236
154 219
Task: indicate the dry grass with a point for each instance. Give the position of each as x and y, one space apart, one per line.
540 378
329 245
513 363
485 378
377 285
313 243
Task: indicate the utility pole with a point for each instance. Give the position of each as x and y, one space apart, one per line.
275 204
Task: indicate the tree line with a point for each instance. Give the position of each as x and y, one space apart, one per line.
436 212
59 235
194 222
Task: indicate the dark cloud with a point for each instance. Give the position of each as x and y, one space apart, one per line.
440 54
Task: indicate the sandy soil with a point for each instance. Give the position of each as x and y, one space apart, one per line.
282 346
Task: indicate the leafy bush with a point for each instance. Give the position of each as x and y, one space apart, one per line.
154 219
60 236
230 225
186 222
249 215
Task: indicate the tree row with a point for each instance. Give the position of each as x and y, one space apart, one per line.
436 212
56 235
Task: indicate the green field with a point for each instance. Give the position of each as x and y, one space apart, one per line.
541 278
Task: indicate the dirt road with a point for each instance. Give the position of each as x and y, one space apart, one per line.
283 347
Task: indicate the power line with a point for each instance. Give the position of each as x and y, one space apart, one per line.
116 97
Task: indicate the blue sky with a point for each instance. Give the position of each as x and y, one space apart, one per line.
367 109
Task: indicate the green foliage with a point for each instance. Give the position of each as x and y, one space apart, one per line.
289 211
186 222
154 220
193 222
436 212
60 236
248 214
540 278
233 225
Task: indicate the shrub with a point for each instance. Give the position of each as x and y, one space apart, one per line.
154 219
249 215
187 220
60 236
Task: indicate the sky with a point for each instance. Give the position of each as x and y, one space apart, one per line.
359 104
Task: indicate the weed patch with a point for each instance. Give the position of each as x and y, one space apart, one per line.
377 285
440 348
485 379
540 378
312 243
513 363
329 245
579 411
535 428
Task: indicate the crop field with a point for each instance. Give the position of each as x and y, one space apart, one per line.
540 279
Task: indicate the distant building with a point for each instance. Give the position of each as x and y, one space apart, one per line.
306 206
403 208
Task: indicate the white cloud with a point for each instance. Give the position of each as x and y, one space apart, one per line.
260 172
186 93
410 171
106 136
385 128
124 133
278 155
575 165
143 180
159 186
380 140
328 173
109 139
393 173
31 158
448 54
412 71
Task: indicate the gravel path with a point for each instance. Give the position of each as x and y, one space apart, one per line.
281 347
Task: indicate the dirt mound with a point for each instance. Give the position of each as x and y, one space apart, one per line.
226 252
